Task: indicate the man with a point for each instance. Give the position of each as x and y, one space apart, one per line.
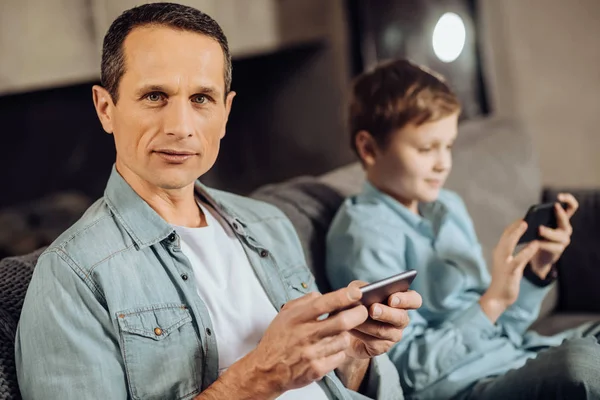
167 289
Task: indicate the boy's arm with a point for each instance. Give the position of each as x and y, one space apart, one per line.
425 354
521 314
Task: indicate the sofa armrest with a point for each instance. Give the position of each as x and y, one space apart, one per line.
579 266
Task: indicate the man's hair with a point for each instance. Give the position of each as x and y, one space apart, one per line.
170 15
394 95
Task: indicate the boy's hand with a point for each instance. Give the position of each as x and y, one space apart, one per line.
557 239
507 271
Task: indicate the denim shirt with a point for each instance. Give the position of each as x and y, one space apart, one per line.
450 343
110 312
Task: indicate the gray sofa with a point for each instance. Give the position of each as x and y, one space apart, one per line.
495 171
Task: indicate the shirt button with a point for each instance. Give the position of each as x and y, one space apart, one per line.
264 253
158 331
172 237
208 331
184 277
304 285
235 226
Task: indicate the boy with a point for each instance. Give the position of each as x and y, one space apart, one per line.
469 339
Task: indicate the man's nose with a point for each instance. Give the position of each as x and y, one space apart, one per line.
179 121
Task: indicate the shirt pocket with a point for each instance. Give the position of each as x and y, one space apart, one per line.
161 352
299 281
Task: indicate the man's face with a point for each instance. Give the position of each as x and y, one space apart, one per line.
414 165
172 109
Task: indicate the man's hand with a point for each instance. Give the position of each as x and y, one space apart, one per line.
384 329
377 334
507 271
557 239
300 346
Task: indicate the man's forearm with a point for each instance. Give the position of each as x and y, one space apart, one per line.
241 382
352 373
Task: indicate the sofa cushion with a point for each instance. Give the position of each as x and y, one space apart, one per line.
559 322
15 274
579 266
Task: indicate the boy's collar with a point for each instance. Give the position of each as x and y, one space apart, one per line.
431 214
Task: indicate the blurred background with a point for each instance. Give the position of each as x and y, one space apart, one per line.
536 61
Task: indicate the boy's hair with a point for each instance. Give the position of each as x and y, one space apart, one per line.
394 95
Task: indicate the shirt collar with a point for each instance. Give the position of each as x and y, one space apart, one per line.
430 214
141 222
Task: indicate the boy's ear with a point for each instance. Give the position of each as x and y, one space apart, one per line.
366 147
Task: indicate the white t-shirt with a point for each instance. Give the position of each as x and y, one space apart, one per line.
237 303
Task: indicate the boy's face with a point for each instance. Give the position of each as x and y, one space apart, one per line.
414 165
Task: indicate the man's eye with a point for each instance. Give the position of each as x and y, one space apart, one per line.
425 149
200 99
154 97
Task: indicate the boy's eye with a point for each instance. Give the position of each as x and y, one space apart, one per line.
424 149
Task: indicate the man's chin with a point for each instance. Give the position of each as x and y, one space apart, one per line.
175 181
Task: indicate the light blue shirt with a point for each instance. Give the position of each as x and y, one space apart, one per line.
450 343
112 311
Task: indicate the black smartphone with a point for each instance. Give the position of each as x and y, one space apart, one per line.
538 215
378 292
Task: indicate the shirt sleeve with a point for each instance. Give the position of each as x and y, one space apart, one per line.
65 346
426 353
522 313
382 381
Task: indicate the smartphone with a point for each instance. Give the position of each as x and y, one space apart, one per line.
378 292
538 215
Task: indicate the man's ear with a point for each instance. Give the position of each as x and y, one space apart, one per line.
228 103
104 107
366 147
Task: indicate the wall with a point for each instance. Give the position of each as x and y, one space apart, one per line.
290 78
543 64
50 43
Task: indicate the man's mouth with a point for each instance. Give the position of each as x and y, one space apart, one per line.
175 156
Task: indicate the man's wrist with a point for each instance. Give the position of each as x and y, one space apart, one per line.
243 380
352 372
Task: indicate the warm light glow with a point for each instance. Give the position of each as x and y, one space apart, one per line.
449 37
